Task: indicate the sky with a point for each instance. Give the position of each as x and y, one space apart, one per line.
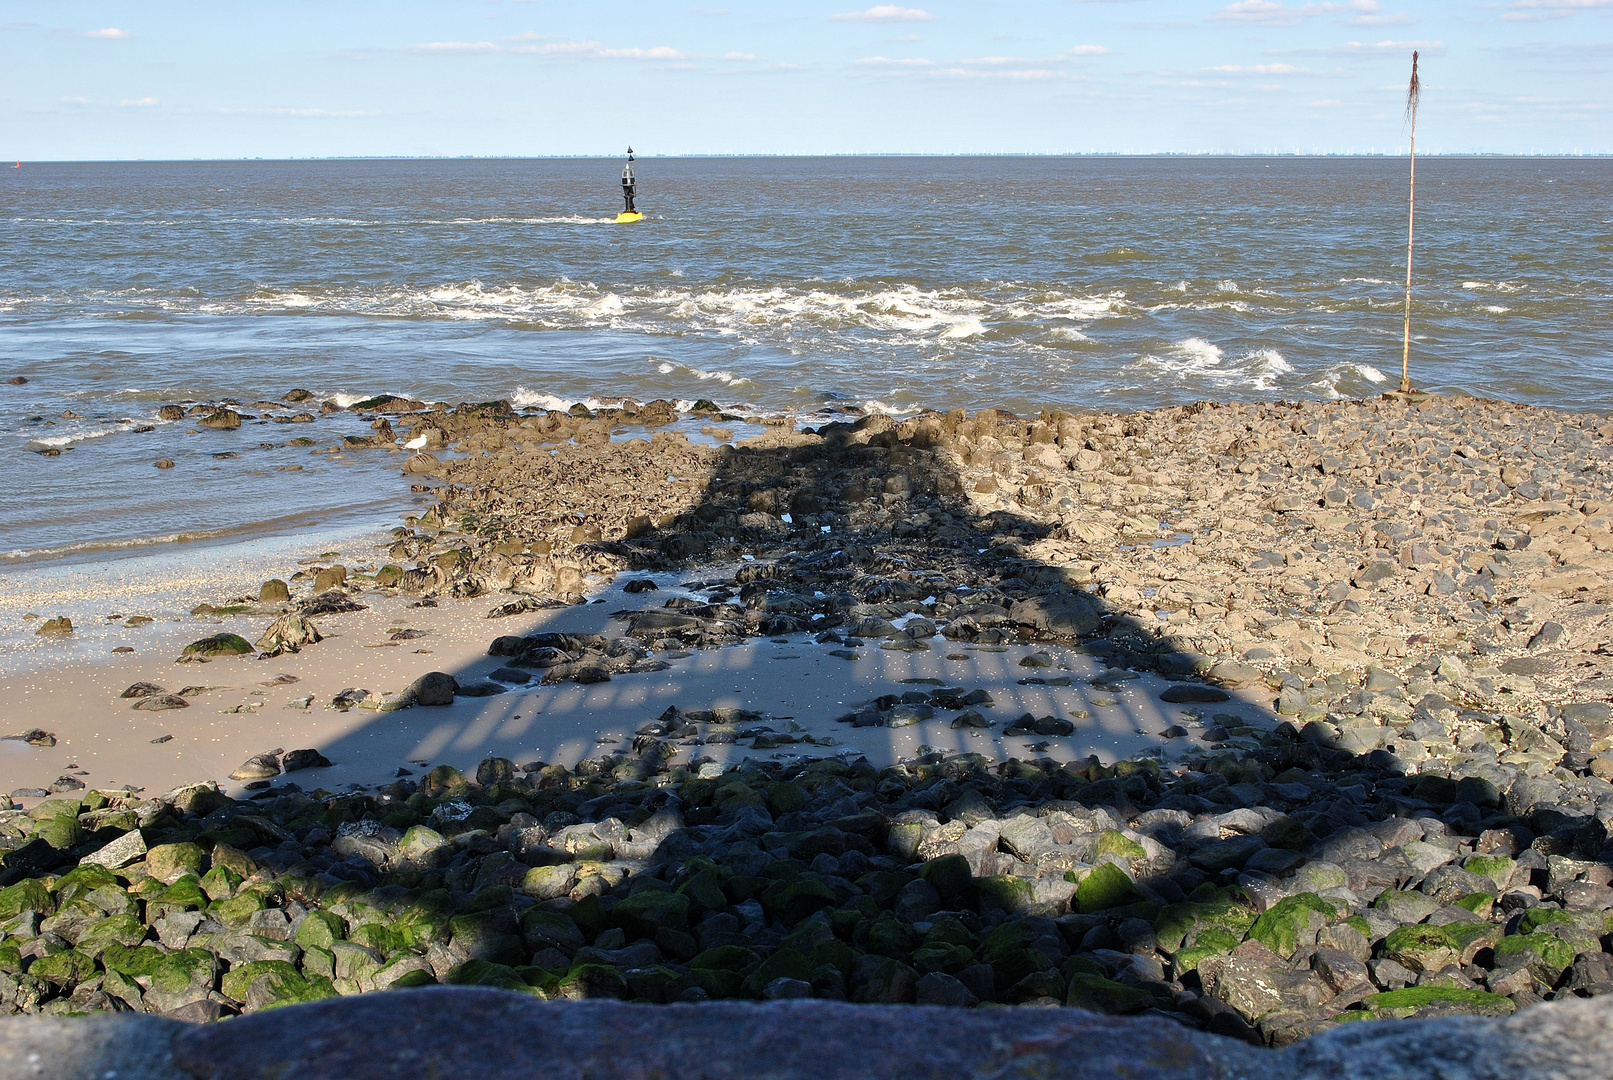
83 80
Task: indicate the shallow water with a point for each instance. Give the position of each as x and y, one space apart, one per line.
774 284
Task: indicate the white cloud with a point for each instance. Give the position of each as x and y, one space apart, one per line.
1536 10
111 33
899 62
1359 12
137 103
1259 13
1087 50
534 44
75 101
1357 48
881 13
456 48
1258 69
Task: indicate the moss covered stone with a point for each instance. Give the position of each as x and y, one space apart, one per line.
1498 868
1291 922
1414 999
1422 947
380 937
1106 886
170 862
68 968
1006 892
125 930
171 972
319 929
1097 994
1546 956
220 883
950 874
28 895
1212 942
648 910
219 645
1117 844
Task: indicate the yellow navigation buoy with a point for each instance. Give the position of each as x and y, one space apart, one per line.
629 189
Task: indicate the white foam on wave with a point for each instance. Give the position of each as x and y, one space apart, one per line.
1493 286
886 409
905 312
605 307
523 398
1195 358
1344 380
1496 309
1362 281
727 378
963 328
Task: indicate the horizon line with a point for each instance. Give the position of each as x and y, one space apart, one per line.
1559 154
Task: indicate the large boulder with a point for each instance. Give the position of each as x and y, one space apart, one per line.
446 1031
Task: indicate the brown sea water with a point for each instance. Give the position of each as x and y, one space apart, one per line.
770 284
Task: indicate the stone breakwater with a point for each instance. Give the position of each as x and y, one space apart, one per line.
1421 829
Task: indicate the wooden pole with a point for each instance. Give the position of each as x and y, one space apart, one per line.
1413 93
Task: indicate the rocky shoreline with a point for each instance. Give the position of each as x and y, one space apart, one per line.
1417 825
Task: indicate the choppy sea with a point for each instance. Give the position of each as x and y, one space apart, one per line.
766 285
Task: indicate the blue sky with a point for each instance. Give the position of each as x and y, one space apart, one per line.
183 79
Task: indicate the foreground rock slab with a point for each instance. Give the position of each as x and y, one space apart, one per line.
488 1034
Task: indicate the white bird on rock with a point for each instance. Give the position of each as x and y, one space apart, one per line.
416 443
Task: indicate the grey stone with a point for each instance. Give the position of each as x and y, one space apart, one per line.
446 1031
128 848
433 688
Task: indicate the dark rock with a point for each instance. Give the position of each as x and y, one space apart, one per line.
295 760
433 688
1193 693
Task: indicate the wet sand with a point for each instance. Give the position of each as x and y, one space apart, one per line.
797 683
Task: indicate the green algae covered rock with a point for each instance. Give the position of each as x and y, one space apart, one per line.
1423 947
1291 922
1111 842
647 911
219 645
68 968
319 929
1546 956
124 930
1498 868
1098 994
29 894
170 862
1106 886
1007 892
1415 999
1211 942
